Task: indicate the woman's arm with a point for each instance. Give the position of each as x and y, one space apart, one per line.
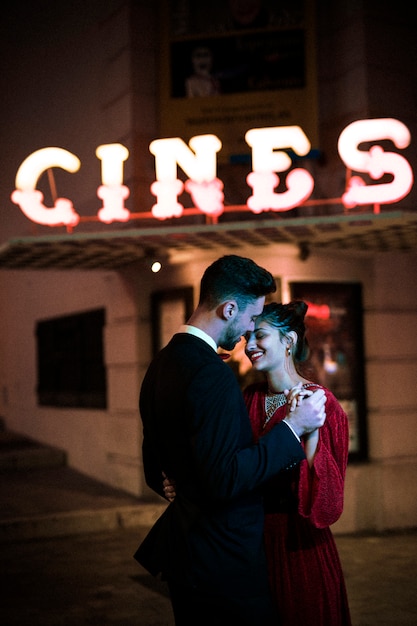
310 445
321 484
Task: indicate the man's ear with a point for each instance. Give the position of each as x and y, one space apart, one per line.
228 309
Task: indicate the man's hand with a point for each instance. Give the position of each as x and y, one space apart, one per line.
295 395
169 488
308 414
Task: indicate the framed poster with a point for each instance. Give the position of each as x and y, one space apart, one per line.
336 361
228 67
169 310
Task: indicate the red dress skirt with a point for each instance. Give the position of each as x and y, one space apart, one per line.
305 571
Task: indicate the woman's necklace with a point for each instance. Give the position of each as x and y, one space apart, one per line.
272 402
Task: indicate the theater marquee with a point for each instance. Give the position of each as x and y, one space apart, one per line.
271 150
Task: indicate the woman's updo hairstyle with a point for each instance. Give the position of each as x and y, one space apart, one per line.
286 318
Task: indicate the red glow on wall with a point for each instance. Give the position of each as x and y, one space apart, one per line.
318 311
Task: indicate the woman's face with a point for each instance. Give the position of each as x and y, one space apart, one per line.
264 347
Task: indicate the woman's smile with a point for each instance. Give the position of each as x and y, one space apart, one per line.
255 356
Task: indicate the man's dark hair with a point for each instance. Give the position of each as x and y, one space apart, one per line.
234 278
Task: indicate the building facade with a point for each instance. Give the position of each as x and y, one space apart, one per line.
110 73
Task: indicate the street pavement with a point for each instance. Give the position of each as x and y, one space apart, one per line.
67 545
80 580
92 579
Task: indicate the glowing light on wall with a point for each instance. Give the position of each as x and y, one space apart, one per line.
329 364
375 161
267 159
156 267
112 192
319 311
199 164
30 199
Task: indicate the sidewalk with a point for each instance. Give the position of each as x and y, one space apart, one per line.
42 497
67 545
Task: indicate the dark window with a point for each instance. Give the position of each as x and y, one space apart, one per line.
71 368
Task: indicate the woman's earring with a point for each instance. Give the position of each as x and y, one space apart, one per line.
288 350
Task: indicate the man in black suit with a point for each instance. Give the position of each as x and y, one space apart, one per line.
196 430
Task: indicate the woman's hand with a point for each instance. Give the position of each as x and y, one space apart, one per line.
169 488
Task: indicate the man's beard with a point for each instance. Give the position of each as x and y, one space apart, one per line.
230 339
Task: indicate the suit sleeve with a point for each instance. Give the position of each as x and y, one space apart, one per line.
228 461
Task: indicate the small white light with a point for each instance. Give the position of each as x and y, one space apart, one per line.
155 266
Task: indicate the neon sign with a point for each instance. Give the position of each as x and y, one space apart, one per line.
375 162
266 160
30 199
198 160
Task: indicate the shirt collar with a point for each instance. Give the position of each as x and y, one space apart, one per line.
197 332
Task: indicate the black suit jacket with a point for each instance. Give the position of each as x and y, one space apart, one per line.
196 429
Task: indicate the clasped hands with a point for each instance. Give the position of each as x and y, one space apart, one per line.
306 409
306 413
169 488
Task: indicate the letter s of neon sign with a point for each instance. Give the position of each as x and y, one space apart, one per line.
375 161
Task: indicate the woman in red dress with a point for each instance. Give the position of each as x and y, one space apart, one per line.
300 505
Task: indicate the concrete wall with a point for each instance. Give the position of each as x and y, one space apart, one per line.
381 493
106 444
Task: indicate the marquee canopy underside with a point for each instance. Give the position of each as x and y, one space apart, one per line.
395 231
